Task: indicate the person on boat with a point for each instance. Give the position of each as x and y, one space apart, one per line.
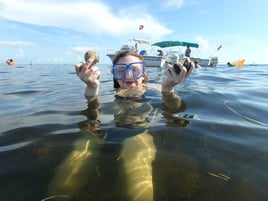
188 51
160 53
131 86
136 47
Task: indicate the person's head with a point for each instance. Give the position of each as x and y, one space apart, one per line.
91 55
129 70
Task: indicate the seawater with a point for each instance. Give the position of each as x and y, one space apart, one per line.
215 149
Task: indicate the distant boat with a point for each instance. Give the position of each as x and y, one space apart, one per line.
10 62
238 63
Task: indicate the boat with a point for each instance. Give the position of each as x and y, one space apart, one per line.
10 62
178 55
155 57
152 57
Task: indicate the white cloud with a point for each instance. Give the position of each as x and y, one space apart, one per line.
93 17
203 44
20 53
17 44
78 50
176 3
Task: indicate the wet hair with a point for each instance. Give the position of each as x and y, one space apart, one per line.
125 53
90 53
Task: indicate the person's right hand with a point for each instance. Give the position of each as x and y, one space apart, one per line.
89 75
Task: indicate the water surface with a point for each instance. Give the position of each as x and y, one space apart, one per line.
214 149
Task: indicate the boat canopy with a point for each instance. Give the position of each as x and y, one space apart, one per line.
164 44
141 41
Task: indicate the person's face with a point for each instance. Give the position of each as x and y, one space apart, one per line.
129 80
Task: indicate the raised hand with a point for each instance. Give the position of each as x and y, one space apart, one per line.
176 74
88 74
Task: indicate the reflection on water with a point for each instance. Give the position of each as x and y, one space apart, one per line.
54 145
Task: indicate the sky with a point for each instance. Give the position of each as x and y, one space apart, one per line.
60 31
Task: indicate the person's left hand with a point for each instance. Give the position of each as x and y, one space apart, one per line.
176 76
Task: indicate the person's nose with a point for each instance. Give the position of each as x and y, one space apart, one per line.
129 74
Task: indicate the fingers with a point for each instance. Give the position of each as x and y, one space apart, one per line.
174 77
84 69
91 77
81 69
78 67
90 62
190 70
179 72
96 73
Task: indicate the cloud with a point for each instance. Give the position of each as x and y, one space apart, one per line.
203 44
176 3
20 53
16 44
93 17
78 50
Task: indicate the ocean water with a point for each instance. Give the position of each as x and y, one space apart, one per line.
56 146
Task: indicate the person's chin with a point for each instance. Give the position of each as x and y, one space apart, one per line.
129 85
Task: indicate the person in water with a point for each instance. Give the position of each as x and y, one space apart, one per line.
129 74
131 82
138 150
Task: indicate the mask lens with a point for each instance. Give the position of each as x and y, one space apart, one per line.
120 70
137 69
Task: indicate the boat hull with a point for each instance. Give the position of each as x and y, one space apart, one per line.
211 62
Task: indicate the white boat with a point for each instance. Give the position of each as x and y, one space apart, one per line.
152 57
155 57
178 54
